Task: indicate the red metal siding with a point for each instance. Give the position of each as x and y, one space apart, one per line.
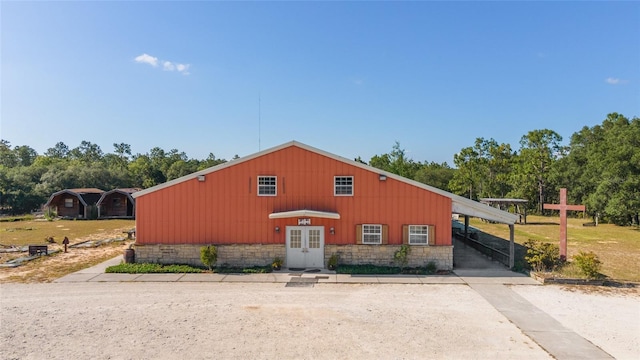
225 208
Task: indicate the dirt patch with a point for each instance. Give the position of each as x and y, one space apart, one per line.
622 290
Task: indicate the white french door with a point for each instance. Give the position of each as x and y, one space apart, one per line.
305 247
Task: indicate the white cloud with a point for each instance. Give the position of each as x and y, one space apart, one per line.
615 81
183 68
147 59
166 65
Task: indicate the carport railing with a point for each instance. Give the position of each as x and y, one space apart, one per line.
494 254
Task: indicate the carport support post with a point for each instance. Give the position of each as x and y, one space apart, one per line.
512 248
466 226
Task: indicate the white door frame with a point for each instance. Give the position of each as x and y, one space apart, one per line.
304 256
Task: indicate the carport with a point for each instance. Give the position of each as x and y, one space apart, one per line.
467 208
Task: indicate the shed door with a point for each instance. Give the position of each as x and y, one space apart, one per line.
305 246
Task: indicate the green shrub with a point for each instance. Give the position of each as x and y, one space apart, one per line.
332 263
542 256
17 218
401 256
225 269
588 263
50 214
277 263
209 255
369 269
146 268
431 267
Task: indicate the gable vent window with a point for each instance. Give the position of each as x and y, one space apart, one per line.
267 186
343 185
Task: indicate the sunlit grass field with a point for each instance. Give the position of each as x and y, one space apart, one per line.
617 247
49 268
35 232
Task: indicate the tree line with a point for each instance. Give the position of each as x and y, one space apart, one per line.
600 167
27 178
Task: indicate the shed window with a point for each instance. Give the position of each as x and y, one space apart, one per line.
68 202
419 234
267 185
343 185
372 234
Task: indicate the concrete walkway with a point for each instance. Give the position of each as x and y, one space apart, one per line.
463 276
97 274
546 331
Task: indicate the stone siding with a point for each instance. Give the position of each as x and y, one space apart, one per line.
232 255
420 256
250 255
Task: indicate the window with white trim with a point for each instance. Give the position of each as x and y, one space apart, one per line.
418 234
343 185
267 186
371 234
68 202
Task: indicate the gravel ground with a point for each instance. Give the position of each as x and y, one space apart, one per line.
608 317
267 320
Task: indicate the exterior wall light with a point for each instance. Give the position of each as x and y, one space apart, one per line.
383 177
278 229
201 178
332 231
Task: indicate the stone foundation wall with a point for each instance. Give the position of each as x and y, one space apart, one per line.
233 255
250 255
420 256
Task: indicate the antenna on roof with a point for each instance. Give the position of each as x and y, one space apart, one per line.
259 122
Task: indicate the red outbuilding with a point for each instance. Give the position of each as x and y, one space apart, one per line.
303 205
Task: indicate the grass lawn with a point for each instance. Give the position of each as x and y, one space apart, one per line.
49 268
617 247
34 232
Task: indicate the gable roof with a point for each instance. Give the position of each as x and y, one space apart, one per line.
79 193
124 191
83 191
459 204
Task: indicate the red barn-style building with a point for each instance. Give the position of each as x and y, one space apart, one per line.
301 204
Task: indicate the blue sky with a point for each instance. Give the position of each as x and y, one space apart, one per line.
350 78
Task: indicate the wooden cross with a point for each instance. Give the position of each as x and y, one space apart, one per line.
563 207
